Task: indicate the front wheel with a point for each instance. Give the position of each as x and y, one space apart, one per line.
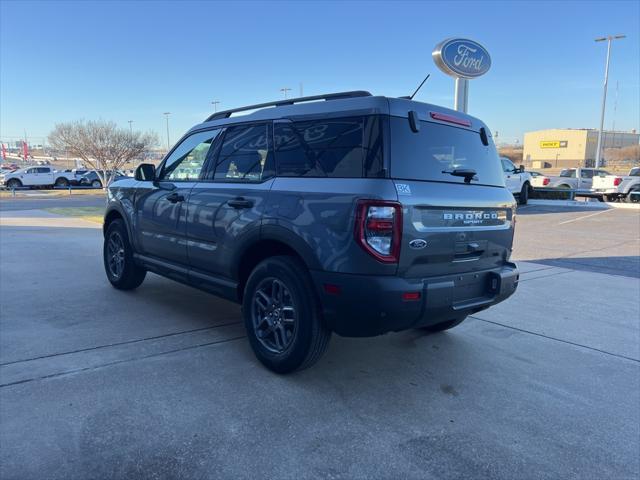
14 183
122 272
441 327
282 316
631 198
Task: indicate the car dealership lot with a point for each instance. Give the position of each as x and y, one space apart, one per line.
160 383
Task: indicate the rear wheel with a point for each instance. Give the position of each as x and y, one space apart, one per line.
612 198
282 316
440 327
96 184
62 182
523 198
121 270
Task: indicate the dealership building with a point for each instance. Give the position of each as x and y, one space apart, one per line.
568 147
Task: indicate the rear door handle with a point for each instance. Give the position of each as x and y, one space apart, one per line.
240 202
175 198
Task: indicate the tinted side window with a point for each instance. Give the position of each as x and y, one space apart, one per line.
587 173
186 161
321 148
245 155
43 170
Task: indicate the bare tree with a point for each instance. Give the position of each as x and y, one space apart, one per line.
101 145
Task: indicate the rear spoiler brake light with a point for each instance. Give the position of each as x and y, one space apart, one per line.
443 117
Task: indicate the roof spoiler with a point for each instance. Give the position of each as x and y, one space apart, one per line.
291 101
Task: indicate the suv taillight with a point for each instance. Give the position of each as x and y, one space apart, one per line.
379 229
545 181
617 181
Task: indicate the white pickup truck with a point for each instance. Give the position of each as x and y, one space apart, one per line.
517 181
43 177
617 187
576 178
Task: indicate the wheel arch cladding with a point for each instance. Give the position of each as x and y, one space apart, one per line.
260 250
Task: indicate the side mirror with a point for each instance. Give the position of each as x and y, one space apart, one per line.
521 168
146 172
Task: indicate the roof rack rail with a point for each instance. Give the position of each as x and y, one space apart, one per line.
290 101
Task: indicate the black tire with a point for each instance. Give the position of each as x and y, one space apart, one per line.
96 184
523 198
62 182
283 344
442 326
632 198
612 198
14 183
126 275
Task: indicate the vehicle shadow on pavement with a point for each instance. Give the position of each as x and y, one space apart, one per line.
626 266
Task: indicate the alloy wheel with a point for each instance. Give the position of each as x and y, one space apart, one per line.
274 315
115 254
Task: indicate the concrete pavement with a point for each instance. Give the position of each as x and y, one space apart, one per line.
160 383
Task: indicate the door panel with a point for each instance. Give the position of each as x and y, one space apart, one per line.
161 206
161 220
226 211
220 218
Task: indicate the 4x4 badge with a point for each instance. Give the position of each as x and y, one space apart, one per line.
418 243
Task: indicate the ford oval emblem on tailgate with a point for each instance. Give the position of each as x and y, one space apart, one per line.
418 243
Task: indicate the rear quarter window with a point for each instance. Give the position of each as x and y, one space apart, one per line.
436 149
348 147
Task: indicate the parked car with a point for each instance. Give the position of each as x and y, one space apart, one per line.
539 180
576 178
358 215
517 180
616 187
44 177
91 179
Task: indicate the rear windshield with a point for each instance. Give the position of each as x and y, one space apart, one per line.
436 149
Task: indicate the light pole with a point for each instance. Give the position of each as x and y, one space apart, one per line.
609 39
215 105
130 127
166 116
284 90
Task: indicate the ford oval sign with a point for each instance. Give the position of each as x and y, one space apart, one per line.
463 58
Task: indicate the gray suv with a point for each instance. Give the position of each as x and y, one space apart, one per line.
346 213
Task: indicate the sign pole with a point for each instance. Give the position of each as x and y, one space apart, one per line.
461 95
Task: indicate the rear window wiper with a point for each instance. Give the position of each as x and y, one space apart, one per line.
468 174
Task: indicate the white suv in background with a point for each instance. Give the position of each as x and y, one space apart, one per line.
517 181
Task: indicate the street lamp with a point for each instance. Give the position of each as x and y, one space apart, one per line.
166 116
609 39
130 127
215 105
285 90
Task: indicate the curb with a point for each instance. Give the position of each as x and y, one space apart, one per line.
592 205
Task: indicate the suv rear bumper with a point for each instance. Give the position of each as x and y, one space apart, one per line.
366 305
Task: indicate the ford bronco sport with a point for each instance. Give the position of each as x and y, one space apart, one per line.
346 213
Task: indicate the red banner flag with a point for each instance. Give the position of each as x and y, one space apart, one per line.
25 150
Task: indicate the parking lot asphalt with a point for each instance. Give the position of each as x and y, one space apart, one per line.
160 382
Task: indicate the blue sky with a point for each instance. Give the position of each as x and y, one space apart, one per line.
122 61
